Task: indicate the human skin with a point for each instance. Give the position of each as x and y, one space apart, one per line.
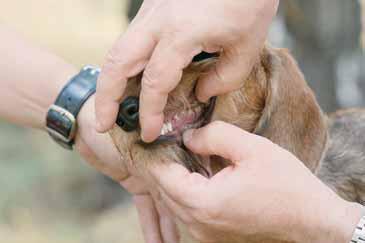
163 39
31 79
266 193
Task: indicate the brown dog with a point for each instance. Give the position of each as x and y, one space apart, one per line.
274 102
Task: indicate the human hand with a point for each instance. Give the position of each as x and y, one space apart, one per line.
163 39
266 193
157 224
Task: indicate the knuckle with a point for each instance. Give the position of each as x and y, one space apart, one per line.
150 80
206 215
207 210
113 63
219 76
144 118
211 134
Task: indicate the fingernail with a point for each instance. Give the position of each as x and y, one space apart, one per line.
201 97
144 139
188 135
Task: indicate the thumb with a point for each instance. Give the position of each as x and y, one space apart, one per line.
225 140
227 75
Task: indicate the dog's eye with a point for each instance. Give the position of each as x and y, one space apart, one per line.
128 115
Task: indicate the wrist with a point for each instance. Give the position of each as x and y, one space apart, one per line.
58 77
343 224
61 118
347 227
335 222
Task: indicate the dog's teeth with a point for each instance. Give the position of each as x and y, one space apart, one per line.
164 129
169 127
176 117
162 132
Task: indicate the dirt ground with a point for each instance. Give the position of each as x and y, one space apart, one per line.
47 194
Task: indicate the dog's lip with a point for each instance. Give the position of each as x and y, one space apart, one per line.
174 135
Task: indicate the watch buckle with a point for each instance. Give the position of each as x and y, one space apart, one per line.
58 136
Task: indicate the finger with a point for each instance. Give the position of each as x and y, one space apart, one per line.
161 76
134 185
212 140
180 211
168 228
227 75
149 218
176 183
126 59
145 8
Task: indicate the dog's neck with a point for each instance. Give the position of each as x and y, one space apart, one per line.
291 116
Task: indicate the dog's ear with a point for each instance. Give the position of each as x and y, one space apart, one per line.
292 117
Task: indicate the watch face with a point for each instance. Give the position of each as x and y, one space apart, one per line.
61 123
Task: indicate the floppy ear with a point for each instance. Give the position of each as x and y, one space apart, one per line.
292 117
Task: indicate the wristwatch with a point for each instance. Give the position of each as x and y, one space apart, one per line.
359 234
61 117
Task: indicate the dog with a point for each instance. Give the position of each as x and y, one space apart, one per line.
274 102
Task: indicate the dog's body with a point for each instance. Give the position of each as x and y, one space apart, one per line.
343 167
274 102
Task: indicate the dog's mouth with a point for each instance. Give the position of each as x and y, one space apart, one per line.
177 123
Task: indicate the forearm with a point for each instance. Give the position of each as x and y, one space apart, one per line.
30 80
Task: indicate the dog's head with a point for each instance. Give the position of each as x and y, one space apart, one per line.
274 102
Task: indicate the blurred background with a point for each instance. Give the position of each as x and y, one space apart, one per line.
49 195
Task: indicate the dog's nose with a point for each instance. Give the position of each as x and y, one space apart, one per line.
128 115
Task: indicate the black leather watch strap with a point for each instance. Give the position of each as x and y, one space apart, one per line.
61 117
78 90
